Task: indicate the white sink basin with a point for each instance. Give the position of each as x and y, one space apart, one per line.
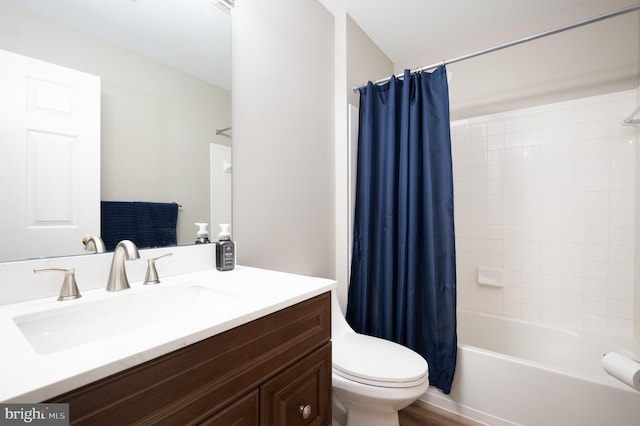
65 327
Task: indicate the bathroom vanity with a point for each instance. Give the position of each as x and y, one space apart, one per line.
265 359
266 372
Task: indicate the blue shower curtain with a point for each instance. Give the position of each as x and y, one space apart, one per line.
403 269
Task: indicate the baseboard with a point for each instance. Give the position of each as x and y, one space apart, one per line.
462 420
437 400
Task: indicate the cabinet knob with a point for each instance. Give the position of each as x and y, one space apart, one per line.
305 410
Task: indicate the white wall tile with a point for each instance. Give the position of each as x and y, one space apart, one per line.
574 116
549 195
595 323
531 312
598 148
597 129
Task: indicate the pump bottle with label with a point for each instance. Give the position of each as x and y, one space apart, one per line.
225 250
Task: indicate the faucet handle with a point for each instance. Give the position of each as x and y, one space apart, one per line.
152 272
69 288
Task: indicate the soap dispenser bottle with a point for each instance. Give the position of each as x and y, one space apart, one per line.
225 250
202 237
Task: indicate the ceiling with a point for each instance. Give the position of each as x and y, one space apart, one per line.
404 29
194 35
190 35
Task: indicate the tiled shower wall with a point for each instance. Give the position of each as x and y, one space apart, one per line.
547 194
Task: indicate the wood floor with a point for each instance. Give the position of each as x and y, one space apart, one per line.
421 414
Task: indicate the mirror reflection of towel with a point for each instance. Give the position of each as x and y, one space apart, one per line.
146 224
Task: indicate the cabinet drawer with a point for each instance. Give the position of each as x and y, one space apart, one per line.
244 412
193 383
300 395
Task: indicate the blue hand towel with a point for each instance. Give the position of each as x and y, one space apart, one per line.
146 224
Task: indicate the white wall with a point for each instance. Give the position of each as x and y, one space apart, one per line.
548 195
283 153
157 122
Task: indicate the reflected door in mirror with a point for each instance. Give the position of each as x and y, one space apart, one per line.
49 157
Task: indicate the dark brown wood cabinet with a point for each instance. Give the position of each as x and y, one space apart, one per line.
243 412
275 370
298 396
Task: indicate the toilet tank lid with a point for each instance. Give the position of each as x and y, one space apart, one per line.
376 360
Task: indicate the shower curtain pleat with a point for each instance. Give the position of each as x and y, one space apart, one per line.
403 274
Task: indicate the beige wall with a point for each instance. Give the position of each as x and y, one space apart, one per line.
157 122
283 156
591 60
365 60
358 57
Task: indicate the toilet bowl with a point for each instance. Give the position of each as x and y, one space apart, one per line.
372 378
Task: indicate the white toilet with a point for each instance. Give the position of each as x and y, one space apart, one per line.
372 378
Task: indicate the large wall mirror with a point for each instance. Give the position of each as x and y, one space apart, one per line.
165 102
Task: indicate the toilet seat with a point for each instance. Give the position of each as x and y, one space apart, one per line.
378 362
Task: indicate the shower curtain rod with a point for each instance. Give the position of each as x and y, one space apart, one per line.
514 42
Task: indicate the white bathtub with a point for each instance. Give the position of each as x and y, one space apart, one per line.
512 372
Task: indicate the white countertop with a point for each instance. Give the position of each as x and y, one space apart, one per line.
27 376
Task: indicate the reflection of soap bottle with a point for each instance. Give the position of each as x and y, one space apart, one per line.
225 250
202 237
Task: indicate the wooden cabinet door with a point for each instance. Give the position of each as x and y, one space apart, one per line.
243 412
300 395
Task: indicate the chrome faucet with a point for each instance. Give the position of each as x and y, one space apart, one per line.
93 243
125 250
